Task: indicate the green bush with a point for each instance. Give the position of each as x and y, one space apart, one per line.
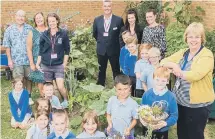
174 38
210 40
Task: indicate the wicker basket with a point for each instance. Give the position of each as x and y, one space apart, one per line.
154 120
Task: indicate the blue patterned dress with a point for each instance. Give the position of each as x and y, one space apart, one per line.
36 76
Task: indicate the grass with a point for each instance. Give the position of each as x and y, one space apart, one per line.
9 133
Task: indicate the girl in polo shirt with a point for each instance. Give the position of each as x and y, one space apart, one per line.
41 128
90 123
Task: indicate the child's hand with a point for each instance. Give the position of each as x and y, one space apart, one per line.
138 75
127 132
143 122
160 125
109 128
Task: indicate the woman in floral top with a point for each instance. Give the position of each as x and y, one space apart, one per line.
154 33
33 49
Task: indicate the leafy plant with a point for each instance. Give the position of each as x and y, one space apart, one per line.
210 40
183 12
174 38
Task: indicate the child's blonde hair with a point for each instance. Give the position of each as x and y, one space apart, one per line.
161 72
154 50
37 103
16 80
90 115
131 40
143 46
60 112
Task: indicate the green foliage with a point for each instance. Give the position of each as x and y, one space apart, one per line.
183 13
83 52
210 40
174 38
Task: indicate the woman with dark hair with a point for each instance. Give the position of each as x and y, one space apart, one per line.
131 24
154 33
33 41
54 54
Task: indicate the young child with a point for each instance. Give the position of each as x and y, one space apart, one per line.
161 95
121 109
48 90
147 75
130 61
90 123
124 50
43 103
19 105
41 128
60 122
140 65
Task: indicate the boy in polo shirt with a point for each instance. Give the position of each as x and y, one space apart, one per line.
121 110
60 124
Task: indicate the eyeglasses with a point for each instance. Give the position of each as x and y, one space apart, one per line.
194 37
154 57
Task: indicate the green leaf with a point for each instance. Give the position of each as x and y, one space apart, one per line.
178 8
107 94
76 121
76 53
93 88
99 106
83 47
91 70
166 4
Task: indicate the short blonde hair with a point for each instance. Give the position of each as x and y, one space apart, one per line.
131 39
197 29
90 115
161 72
154 50
143 46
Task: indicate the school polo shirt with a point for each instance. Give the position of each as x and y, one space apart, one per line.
122 113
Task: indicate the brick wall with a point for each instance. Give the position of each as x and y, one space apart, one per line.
88 9
208 6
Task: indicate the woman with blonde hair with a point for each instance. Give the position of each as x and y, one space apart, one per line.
193 68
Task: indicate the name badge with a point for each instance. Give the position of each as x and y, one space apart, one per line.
115 28
105 34
53 56
59 41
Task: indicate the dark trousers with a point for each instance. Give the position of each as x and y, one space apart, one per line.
133 85
139 93
191 122
103 60
156 135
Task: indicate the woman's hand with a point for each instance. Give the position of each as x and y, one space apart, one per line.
39 68
33 67
10 64
177 70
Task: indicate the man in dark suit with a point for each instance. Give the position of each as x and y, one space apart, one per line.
106 30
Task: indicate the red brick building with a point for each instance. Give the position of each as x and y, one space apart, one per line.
88 10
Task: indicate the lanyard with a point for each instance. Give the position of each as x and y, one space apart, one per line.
107 26
186 57
53 39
